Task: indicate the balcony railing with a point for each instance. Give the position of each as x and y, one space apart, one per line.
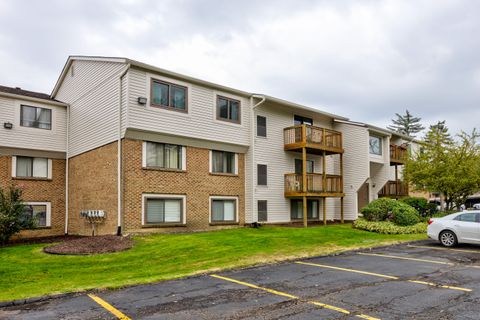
394 189
316 185
312 137
398 154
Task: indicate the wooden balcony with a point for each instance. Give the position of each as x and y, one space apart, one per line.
316 140
394 189
317 186
398 155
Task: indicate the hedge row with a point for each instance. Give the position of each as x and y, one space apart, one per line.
387 227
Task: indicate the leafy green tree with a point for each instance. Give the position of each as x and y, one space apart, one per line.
406 124
446 165
12 218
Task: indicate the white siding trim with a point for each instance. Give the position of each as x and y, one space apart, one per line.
49 168
210 161
146 196
236 163
184 158
14 166
48 222
144 154
222 198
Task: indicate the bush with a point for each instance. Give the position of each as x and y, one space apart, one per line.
378 210
12 219
387 227
424 208
404 215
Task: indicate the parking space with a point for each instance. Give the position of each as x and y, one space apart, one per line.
417 281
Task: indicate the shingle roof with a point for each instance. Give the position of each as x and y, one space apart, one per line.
26 93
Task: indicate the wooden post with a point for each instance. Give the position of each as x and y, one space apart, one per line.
324 210
341 210
304 180
324 168
396 182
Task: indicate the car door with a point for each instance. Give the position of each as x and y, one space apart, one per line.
467 226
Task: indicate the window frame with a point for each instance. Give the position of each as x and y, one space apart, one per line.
380 139
183 209
258 174
265 212
29 106
308 201
32 177
301 120
308 161
223 198
217 109
48 215
182 159
266 133
170 85
235 165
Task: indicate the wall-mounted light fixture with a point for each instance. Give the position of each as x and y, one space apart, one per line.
8 125
142 100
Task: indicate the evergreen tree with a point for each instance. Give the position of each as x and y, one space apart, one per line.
406 124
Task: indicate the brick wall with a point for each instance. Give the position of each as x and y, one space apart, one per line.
93 186
196 183
44 190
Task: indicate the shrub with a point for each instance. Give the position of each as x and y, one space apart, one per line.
387 227
404 215
12 219
424 208
378 210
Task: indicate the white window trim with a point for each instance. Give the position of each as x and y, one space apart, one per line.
230 96
211 198
146 196
49 211
256 175
210 163
144 155
49 169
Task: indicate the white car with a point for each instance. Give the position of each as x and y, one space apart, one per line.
460 227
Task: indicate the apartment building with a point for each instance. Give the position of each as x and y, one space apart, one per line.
32 155
158 151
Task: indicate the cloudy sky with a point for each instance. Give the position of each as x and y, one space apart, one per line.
364 60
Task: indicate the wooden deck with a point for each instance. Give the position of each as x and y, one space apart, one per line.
398 155
316 140
318 185
394 189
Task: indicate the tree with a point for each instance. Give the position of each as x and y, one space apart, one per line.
406 124
12 218
446 165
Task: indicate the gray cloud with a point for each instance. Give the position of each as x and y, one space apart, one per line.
362 59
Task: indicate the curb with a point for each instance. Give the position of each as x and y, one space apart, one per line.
20 302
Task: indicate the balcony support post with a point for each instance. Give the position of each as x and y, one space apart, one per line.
396 182
341 181
341 211
324 211
304 181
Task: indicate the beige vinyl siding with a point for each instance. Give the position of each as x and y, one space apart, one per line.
32 138
380 170
270 151
200 121
93 95
355 165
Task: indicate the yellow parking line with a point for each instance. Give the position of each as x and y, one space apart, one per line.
349 270
109 307
446 249
291 296
383 276
404 258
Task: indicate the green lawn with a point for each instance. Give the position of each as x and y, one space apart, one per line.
25 271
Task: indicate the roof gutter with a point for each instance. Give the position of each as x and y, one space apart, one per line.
19 96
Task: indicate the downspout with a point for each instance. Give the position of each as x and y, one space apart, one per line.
67 144
119 155
252 143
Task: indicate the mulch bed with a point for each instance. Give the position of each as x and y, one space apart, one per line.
50 239
91 245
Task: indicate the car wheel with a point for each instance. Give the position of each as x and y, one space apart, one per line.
448 238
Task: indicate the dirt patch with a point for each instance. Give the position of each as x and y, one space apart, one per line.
91 245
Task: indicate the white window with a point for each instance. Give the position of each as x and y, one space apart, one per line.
164 156
163 209
223 209
35 117
375 145
223 162
40 212
31 167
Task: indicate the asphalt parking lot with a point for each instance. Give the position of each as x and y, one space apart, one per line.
417 281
